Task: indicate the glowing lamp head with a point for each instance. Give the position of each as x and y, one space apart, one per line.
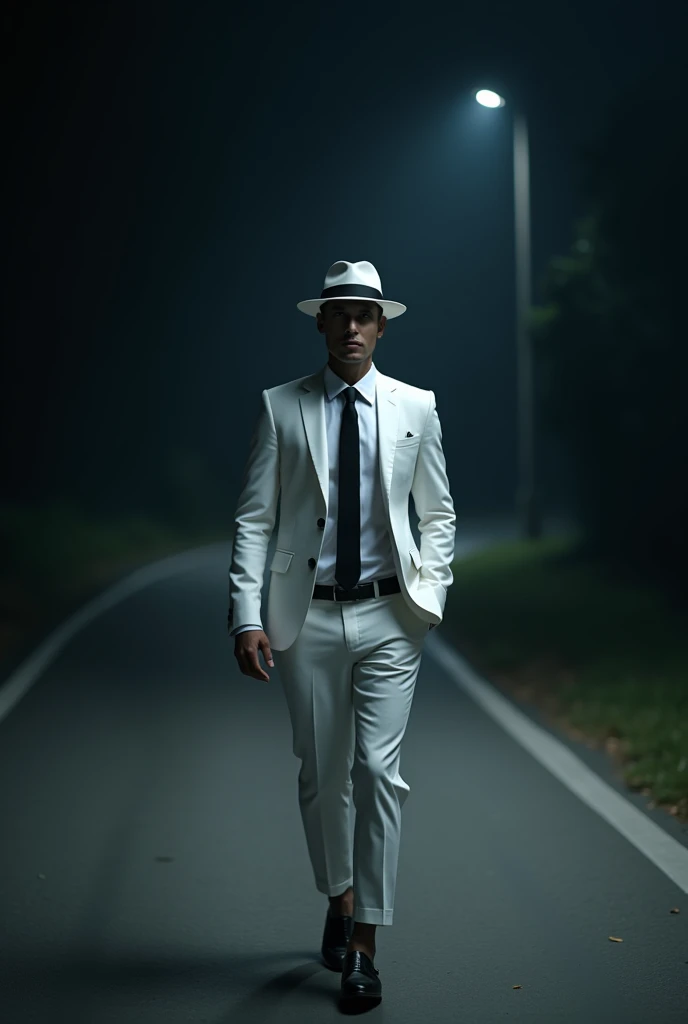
489 99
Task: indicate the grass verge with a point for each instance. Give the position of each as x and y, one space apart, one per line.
54 558
605 661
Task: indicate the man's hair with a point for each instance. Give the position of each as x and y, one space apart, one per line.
380 310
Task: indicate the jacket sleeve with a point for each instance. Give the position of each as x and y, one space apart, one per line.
434 505
254 521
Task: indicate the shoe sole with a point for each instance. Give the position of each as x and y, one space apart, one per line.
359 999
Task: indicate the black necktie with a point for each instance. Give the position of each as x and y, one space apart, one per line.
348 569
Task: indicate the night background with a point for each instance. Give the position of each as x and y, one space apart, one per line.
179 176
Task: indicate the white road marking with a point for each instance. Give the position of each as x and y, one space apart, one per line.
659 847
26 674
653 842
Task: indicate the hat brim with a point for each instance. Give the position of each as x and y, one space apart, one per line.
390 309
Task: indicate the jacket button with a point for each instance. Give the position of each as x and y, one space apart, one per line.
311 563
321 524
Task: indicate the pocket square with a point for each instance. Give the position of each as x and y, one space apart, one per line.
409 434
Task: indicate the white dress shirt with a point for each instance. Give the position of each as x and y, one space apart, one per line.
377 560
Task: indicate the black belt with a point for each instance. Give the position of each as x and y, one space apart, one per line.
362 592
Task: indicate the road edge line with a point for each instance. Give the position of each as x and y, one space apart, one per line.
20 681
665 852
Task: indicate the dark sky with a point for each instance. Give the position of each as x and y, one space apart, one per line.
181 175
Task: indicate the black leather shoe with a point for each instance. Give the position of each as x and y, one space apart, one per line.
336 935
360 979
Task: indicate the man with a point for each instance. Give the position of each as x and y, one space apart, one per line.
350 599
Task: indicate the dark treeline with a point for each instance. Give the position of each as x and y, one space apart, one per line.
611 340
96 406
97 412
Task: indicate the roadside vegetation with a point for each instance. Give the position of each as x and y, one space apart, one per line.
605 660
54 557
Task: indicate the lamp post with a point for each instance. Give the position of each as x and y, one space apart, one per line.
529 514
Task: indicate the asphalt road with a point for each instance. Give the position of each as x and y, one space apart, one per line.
153 866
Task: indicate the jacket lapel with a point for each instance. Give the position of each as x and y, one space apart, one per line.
387 424
312 404
313 415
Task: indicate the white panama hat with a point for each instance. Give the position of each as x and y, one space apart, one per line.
352 281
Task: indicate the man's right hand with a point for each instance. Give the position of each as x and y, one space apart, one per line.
246 647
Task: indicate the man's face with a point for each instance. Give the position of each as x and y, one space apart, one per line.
350 320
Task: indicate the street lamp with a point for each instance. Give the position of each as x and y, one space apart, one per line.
526 500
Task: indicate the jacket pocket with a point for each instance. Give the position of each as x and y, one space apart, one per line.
415 556
281 560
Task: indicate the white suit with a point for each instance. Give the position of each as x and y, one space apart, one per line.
348 668
288 459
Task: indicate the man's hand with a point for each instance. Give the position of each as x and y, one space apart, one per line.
246 647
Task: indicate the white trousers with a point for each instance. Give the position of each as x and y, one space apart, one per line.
349 679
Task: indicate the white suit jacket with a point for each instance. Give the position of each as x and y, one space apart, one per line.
288 459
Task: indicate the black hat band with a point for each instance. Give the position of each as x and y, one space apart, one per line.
357 290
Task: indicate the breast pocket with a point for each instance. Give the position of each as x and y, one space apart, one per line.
407 442
405 458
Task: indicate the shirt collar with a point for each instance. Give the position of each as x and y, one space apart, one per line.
365 387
